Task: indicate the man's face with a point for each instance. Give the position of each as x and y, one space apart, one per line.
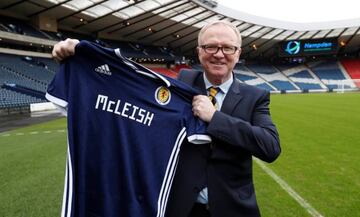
218 66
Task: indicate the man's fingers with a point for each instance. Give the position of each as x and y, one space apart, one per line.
203 108
58 52
57 57
64 49
64 52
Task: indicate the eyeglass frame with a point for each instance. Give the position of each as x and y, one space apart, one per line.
206 46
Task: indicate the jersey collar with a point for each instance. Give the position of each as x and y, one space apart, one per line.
141 69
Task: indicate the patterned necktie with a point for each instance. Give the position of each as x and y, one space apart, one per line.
212 93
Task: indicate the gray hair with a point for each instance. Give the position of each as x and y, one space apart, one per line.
223 23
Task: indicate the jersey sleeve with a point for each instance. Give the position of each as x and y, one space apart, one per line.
58 89
196 129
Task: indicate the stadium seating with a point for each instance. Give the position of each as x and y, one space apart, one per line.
178 67
20 74
328 72
153 51
164 71
314 76
353 69
302 78
9 99
19 27
247 76
293 78
26 72
24 80
311 77
272 76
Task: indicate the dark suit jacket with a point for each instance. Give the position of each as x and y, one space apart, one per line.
242 129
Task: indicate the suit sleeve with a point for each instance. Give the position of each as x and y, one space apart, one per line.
259 137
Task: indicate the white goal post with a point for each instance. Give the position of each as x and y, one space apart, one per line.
348 85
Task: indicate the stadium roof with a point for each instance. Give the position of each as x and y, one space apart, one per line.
175 23
304 11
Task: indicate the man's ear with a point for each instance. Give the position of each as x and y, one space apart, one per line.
239 54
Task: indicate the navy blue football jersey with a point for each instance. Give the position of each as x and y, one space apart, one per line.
125 127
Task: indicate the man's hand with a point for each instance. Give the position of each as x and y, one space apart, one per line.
64 49
203 108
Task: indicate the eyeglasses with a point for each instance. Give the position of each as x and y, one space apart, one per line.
213 49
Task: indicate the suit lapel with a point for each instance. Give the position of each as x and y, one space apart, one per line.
233 97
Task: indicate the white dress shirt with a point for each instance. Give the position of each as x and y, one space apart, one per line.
220 96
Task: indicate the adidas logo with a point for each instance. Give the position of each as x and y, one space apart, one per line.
104 69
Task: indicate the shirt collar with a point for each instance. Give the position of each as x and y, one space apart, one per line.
224 87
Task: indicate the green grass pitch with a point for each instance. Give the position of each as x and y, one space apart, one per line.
320 160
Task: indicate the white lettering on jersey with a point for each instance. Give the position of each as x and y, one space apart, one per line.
128 110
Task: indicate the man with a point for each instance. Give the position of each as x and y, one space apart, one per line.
216 179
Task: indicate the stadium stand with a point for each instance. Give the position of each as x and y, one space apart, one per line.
302 77
305 81
353 69
26 78
273 76
311 77
178 67
329 73
164 71
9 99
245 75
157 52
23 71
19 27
